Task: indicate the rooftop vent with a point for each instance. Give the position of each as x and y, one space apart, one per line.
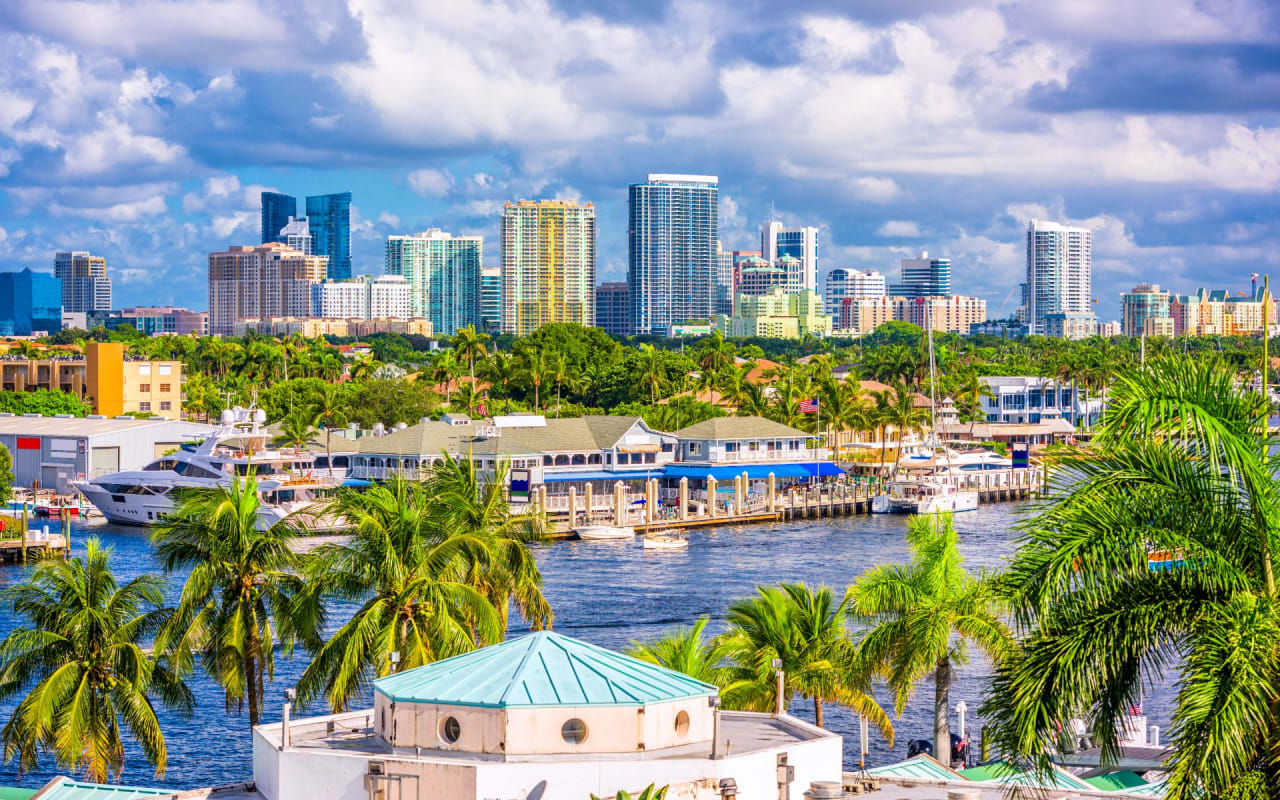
63 416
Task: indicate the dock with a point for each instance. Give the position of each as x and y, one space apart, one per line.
35 544
667 509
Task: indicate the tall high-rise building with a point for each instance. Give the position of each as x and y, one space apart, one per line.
724 280
270 280
671 250
443 272
277 210
842 283
85 285
613 308
1059 274
491 299
548 263
799 243
1145 309
29 302
297 234
329 216
923 277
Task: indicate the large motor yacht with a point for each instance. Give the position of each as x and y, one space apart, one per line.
287 479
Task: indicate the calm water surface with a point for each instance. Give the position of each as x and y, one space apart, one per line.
609 593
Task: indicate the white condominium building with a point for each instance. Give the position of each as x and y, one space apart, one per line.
1059 276
842 283
364 297
297 234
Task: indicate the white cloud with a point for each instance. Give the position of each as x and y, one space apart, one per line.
389 219
118 212
899 228
875 190
430 182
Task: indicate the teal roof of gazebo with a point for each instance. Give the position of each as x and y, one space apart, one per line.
541 669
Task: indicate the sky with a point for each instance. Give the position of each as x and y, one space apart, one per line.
144 130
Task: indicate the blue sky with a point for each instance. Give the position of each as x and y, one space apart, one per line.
143 130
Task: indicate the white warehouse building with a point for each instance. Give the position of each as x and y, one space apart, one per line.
56 450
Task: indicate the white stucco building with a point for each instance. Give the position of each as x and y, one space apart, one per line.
543 716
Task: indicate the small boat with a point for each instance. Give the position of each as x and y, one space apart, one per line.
55 507
605 532
665 541
923 497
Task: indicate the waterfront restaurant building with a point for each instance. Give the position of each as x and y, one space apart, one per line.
542 716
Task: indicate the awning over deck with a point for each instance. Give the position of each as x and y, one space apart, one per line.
755 472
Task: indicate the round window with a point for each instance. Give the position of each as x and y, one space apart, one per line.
574 731
682 723
450 730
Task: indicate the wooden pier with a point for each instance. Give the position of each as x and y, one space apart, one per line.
658 509
36 544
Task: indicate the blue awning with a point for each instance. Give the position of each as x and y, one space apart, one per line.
755 472
356 482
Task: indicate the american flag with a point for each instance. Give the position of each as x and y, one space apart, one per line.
809 406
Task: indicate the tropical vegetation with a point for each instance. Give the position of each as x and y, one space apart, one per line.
1184 468
925 616
85 662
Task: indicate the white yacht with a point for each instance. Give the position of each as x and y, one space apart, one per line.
923 496
287 479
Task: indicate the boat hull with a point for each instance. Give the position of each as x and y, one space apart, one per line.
602 532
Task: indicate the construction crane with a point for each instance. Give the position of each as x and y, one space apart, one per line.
1007 297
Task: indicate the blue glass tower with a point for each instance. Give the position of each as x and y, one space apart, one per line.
29 301
923 277
276 210
671 250
329 216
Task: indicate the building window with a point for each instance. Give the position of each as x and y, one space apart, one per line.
695 448
165 405
144 369
164 387
166 369
574 731
450 730
144 406
682 723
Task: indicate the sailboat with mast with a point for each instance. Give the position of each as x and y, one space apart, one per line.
932 493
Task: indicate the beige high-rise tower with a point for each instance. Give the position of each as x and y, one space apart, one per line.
270 280
85 285
548 264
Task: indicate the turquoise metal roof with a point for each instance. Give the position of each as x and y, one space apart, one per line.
74 790
919 767
1156 789
539 670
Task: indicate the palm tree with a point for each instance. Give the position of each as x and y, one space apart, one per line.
652 373
409 571
329 411
688 651
926 614
465 500
296 429
238 602
87 666
805 630
714 353
902 413
503 371
559 372
534 373
470 347
1182 463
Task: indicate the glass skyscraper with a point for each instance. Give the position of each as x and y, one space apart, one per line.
491 299
29 301
277 209
329 216
443 272
923 277
671 250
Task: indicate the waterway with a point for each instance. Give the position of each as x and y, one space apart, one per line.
608 593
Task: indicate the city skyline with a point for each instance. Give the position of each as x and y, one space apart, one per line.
150 143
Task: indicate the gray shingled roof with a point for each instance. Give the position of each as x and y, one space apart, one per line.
571 434
738 428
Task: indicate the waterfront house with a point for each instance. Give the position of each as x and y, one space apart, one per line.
1027 399
557 453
